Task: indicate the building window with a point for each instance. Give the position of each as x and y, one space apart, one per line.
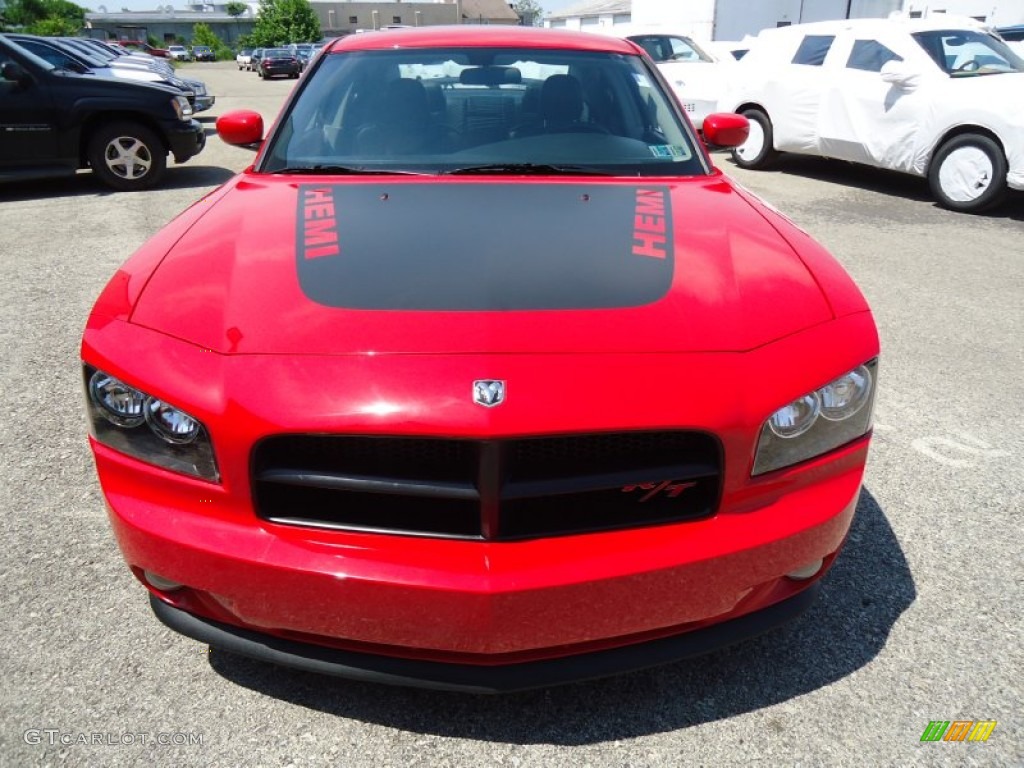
779 24
396 19
353 19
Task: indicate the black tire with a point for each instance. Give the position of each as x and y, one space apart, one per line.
968 174
127 156
757 151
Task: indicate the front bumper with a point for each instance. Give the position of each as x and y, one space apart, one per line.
203 103
470 678
186 140
475 603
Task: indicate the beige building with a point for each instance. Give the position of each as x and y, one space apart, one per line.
343 18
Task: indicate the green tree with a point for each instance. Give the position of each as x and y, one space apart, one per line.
530 12
235 8
285 21
55 26
45 17
203 35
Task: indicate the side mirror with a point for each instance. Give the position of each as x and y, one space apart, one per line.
241 128
900 74
724 130
15 73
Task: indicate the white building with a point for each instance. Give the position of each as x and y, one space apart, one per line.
734 19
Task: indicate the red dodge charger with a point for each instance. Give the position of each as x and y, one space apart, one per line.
481 377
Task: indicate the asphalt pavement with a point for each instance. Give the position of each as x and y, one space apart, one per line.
920 619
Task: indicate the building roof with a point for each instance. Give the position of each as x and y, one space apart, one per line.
151 17
594 8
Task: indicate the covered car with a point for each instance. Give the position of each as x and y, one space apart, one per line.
694 72
481 377
933 97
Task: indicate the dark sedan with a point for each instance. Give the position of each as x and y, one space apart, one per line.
278 61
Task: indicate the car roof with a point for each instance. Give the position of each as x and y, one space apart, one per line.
481 36
870 26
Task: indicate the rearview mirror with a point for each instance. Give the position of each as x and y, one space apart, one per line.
900 74
15 73
724 130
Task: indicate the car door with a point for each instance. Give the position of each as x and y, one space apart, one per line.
794 94
865 119
28 119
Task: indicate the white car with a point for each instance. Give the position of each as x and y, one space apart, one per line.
243 57
178 53
695 74
939 97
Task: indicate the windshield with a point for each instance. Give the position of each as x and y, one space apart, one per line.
483 110
967 53
34 58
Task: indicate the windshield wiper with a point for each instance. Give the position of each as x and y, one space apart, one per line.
343 170
539 169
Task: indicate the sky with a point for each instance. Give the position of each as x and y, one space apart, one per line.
113 6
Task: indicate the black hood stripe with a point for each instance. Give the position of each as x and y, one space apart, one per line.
484 247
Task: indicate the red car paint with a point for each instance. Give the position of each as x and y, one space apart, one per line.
210 316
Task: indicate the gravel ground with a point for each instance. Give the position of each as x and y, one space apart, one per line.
919 620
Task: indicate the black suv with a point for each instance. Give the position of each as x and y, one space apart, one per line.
54 121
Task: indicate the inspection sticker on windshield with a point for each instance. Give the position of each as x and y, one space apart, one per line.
671 152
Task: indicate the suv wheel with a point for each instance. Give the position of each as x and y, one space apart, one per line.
127 156
968 173
757 151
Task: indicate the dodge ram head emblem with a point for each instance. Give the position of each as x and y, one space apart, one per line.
488 392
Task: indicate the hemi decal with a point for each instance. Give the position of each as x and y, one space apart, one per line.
319 226
649 224
484 247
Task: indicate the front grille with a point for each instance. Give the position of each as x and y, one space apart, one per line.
514 488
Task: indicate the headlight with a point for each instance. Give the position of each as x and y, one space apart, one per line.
819 421
181 107
132 422
196 86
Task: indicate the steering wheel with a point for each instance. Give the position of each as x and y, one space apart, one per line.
970 65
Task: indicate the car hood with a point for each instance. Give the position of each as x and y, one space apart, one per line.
313 266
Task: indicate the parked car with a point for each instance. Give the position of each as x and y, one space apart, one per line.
138 45
203 53
493 380
303 52
695 74
243 57
933 97
254 60
178 53
278 61
57 121
64 56
200 98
